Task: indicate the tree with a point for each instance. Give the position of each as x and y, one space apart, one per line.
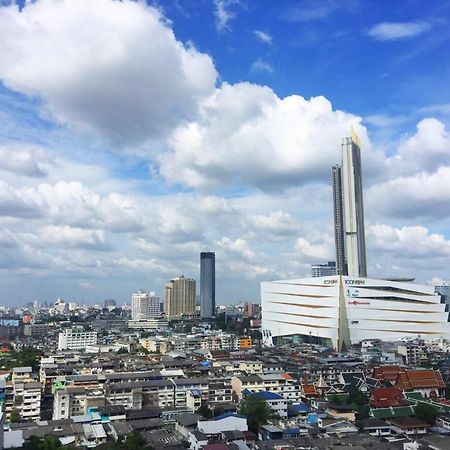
426 413
205 411
122 350
15 416
257 412
134 441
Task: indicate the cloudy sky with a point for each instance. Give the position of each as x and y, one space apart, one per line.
134 135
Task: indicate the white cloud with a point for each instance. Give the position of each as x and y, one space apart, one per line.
315 251
238 247
20 160
246 133
263 36
408 241
391 31
108 67
278 223
223 13
261 66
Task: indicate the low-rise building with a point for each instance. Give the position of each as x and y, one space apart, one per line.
76 339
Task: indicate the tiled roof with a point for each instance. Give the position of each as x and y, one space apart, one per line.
387 396
417 379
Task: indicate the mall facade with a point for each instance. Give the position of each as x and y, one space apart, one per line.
342 310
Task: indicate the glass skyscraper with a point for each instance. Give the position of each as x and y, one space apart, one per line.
207 285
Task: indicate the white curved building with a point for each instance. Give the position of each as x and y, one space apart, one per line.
344 309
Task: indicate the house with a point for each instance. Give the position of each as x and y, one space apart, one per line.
376 427
270 433
443 421
341 412
386 397
277 403
225 422
409 426
387 374
186 423
197 440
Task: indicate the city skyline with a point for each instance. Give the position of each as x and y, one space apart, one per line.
220 137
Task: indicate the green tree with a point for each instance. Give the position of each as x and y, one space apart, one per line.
205 411
134 441
426 413
50 443
257 412
15 416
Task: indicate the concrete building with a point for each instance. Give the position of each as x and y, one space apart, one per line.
179 298
349 211
345 310
324 270
76 339
36 330
145 305
207 285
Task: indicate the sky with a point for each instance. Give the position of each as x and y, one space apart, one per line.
135 135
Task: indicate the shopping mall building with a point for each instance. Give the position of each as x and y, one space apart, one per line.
340 310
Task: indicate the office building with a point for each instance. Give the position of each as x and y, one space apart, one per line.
76 339
179 299
444 290
349 211
145 305
323 270
207 285
346 310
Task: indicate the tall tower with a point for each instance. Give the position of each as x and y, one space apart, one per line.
207 284
349 211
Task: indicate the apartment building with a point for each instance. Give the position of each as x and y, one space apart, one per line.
76 401
76 339
27 400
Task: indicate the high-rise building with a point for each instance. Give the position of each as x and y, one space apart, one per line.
323 270
179 297
338 210
145 305
349 211
207 285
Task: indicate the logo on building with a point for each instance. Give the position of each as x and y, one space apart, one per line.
355 302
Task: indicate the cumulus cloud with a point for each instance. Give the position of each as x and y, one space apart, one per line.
316 251
23 161
417 195
391 31
237 247
278 223
108 67
261 66
413 241
246 133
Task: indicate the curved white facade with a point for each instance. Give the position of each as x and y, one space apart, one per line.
347 310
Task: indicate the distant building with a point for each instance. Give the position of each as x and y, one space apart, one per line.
179 298
323 270
145 305
207 285
444 290
109 303
76 339
61 306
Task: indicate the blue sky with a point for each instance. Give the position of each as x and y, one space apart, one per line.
133 136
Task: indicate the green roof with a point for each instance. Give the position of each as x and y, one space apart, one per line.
388 413
414 396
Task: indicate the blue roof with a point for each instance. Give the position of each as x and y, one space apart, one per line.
291 431
224 416
302 407
266 395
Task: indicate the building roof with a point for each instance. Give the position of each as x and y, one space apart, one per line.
385 397
188 419
267 395
420 379
373 422
226 415
408 422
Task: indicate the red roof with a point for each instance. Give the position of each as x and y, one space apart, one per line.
385 397
411 380
387 373
309 389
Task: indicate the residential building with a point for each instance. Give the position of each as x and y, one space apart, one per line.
207 285
27 400
76 338
276 402
340 311
179 298
324 270
145 305
36 330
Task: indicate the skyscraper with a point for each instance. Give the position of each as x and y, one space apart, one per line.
179 297
207 284
338 210
349 211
